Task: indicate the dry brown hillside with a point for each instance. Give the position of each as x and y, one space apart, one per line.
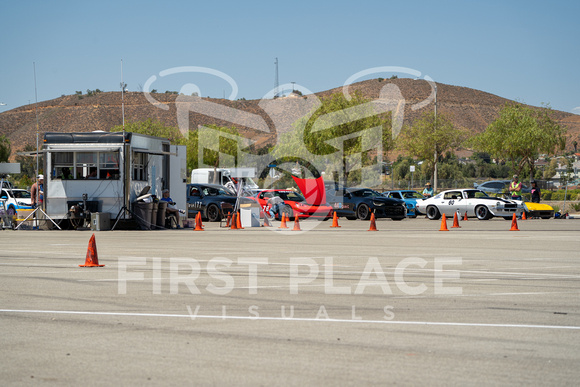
471 109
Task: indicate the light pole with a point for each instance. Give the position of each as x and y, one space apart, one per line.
435 155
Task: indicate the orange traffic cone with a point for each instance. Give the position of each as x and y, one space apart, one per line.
198 224
335 220
373 223
234 221
455 221
443 223
296 224
465 216
283 222
228 222
514 223
239 221
266 222
524 216
92 259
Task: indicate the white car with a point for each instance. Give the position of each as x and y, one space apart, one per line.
474 202
15 199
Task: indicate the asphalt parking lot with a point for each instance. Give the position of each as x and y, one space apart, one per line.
407 304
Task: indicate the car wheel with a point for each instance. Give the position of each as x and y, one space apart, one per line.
363 212
213 213
288 211
482 213
11 212
433 213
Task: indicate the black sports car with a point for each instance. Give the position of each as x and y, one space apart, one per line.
354 203
213 201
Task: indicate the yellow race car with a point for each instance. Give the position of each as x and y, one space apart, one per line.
538 210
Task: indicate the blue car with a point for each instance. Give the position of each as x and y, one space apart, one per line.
409 197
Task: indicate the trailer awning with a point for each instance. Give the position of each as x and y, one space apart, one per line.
153 152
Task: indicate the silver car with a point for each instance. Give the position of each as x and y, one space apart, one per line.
474 202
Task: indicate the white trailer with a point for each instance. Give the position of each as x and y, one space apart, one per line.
111 169
224 176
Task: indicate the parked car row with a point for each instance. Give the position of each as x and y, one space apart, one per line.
215 202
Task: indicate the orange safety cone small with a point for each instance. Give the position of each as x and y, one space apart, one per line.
455 221
296 224
465 216
198 224
524 216
228 222
92 259
443 223
514 223
335 220
266 222
239 221
283 222
234 225
373 223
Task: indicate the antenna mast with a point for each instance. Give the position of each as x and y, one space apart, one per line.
122 97
276 84
36 113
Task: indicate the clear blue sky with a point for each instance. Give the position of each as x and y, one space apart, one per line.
522 50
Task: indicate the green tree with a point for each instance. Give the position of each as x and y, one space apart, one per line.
429 137
345 124
5 149
520 135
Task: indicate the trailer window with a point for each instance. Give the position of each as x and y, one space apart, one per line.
109 165
85 165
139 166
62 165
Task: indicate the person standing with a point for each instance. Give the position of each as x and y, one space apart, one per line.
536 193
516 188
37 191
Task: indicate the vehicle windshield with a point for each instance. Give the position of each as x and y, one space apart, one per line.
365 193
17 194
412 195
290 195
213 191
475 194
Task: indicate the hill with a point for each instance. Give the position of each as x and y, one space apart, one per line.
261 120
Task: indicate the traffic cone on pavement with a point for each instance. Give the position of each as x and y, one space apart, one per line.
524 216
283 222
335 220
296 224
266 222
92 259
239 221
228 222
234 222
514 223
465 216
198 224
373 223
455 221
443 223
